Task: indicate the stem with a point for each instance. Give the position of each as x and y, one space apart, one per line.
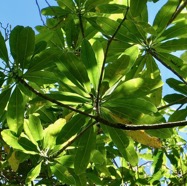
143 126
177 12
155 55
172 103
104 61
81 23
70 141
51 99
103 121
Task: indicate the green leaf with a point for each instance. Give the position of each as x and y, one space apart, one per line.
11 139
119 138
33 128
3 49
4 97
54 11
164 15
129 109
177 85
85 146
15 111
30 147
40 46
179 115
118 69
110 8
52 132
40 77
42 60
22 42
175 63
70 66
89 60
33 174
71 128
68 3
177 30
92 4
131 155
62 174
173 45
137 6
177 98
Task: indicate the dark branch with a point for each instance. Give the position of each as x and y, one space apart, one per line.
70 141
39 10
143 126
51 99
173 103
104 121
104 60
155 55
177 12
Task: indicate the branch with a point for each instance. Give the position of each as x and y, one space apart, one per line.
172 103
70 141
143 126
39 10
51 99
104 60
177 12
155 55
81 23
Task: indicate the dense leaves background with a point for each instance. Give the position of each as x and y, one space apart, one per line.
75 94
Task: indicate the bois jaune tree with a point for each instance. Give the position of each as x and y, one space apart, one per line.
81 101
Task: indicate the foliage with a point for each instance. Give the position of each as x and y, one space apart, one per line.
78 97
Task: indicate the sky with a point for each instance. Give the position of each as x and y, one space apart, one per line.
25 13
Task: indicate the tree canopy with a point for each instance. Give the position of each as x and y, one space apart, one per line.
82 101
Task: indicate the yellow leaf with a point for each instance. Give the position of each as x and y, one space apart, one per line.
139 135
144 138
14 162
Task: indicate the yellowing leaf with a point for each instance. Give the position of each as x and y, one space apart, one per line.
139 135
14 162
144 138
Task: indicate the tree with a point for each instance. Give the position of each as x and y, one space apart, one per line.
81 100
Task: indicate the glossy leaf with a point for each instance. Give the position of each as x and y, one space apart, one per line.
34 173
89 60
140 105
11 139
71 128
70 66
51 133
3 49
177 85
41 77
14 161
22 41
179 115
33 129
164 15
25 142
15 112
173 45
42 60
62 174
145 139
68 3
83 153
137 6
4 97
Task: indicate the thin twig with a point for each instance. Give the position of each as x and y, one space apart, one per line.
177 12
39 10
104 61
51 99
81 23
70 141
104 121
172 103
156 56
